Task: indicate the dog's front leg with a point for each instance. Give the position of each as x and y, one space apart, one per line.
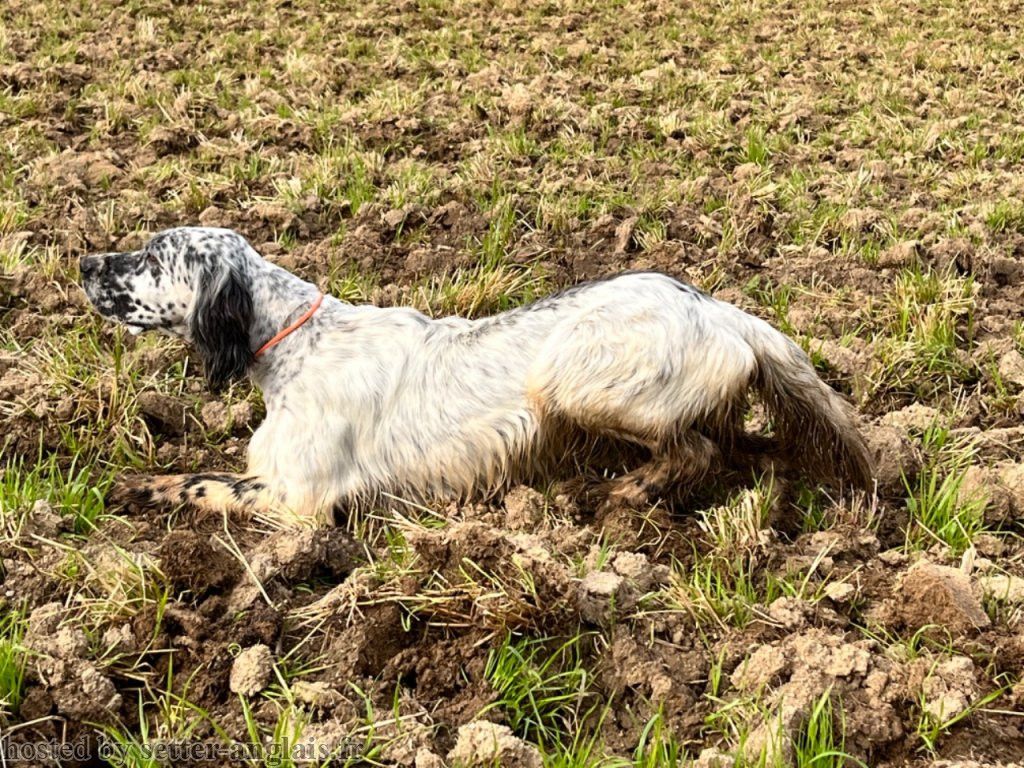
213 492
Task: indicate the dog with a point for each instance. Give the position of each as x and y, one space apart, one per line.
364 402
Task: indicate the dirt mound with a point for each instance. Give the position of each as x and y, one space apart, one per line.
251 671
801 669
75 686
494 578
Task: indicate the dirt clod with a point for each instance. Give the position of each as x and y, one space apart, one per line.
893 454
798 670
714 758
167 415
601 594
293 555
1000 487
89 695
1011 368
427 759
481 744
524 508
1001 587
947 687
316 694
195 563
252 670
840 592
44 521
931 594
218 417
916 417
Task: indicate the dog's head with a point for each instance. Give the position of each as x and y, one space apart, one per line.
192 282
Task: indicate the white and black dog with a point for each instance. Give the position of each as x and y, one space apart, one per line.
364 401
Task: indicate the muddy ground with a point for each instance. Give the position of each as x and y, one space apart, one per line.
850 173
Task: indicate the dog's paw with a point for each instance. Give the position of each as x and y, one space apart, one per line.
133 491
629 492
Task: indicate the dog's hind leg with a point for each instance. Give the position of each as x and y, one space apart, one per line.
211 492
674 466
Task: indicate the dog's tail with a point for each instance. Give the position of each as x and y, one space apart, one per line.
809 418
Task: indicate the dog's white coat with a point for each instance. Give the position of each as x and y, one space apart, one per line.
403 403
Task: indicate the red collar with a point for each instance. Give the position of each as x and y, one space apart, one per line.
281 335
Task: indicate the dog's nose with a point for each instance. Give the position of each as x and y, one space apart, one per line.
89 265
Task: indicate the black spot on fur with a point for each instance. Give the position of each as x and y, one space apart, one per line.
142 495
247 485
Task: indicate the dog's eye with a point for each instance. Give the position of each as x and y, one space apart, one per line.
152 260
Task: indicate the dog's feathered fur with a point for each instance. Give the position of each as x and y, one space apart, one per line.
363 401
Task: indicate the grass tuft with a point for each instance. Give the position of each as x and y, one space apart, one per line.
939 508
13 657
74 491
541 685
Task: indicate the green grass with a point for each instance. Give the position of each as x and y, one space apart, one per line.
276 747
162 718
939 508
13 658
821 742
540 684
726 591
776 298
658 746
481 290
1006 216
928 325
729 583
76 491
582 748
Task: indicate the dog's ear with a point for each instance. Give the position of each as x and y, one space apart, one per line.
219 325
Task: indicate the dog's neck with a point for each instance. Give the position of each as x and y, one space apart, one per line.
278 298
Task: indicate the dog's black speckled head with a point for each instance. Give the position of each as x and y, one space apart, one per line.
191 282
